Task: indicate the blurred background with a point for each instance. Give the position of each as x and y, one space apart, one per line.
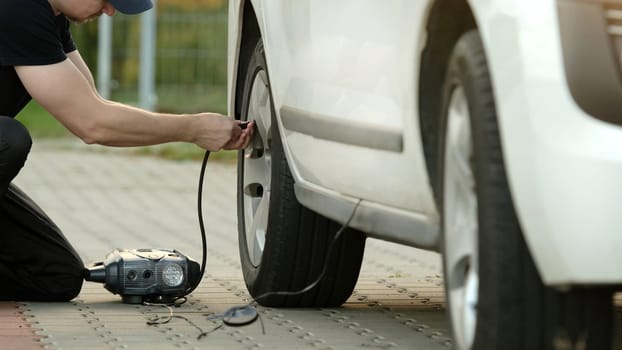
190 65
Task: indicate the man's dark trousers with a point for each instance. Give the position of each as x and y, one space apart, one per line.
37 263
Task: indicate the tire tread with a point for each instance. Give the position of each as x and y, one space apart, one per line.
298 238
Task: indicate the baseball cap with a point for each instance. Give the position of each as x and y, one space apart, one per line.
131 7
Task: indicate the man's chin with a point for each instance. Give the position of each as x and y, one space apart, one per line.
81 21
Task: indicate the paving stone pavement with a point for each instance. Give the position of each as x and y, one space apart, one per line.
106 200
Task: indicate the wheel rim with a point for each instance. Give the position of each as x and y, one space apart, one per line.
460 222
257 170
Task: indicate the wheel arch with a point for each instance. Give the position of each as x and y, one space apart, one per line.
249 34
447 21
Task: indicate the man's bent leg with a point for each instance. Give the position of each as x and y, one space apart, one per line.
15 143
37 263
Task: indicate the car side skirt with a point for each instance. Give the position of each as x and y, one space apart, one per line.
376 220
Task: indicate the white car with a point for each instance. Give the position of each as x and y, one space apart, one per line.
489 131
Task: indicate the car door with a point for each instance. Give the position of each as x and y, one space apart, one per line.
344 83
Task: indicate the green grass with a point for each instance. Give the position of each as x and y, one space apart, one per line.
193 99
40 123
181 98
43 126
186 151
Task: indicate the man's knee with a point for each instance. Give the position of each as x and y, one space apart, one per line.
65 280
23 283
15 142
69 290
60 287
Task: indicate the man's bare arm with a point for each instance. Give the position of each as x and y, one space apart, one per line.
64 91
78 61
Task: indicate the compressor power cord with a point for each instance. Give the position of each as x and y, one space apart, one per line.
239 315
201 223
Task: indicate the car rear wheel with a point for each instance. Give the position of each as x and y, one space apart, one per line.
495 295
283 245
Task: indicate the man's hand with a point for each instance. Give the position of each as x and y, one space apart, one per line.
215 132
244 138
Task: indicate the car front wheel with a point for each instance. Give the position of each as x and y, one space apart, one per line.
283 245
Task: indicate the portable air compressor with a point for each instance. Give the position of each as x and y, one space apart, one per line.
153 275
146 275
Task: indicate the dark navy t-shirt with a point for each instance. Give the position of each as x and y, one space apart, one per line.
30 34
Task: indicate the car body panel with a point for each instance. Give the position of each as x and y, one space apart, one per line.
329 76
564 167
333 68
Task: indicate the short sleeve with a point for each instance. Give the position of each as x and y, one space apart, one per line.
29 34
65 34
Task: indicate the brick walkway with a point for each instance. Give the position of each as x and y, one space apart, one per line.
106 200
15 330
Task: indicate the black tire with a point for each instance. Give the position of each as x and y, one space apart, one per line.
515 310
297 239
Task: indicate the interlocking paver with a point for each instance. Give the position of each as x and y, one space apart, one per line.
109 199
15 331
